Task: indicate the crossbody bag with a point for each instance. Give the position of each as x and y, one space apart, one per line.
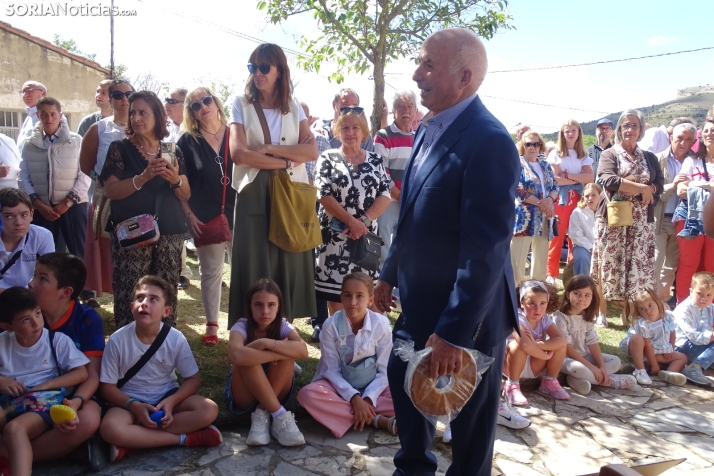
217 230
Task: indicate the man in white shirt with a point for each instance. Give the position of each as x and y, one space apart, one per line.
345 97
101 98
31 92
9 162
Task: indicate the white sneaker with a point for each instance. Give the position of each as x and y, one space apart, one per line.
259 434
550 280
508 417
447 434
580 385
285 430
297 370
600 320
642 377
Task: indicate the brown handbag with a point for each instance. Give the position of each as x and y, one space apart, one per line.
217 230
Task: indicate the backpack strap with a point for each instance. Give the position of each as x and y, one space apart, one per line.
54 352
147 355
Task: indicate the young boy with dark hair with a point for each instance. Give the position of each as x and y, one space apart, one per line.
187 416
32 360
59 279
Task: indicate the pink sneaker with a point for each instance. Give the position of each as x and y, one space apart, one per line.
551 388
513 394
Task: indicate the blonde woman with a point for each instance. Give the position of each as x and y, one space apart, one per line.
573 169
204 148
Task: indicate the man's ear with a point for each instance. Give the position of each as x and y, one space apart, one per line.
466 78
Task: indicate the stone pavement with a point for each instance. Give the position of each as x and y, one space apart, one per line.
647 424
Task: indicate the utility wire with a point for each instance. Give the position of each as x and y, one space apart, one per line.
544 105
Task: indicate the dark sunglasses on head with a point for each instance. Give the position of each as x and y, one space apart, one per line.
349 109
532 144
206 100
118 94
262 67
173 101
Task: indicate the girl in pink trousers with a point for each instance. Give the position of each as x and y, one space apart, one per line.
350 387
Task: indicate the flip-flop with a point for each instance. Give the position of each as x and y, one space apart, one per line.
210 340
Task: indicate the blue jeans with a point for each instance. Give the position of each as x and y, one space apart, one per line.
698 354
581 261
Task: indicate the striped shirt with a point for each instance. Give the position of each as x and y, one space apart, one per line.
395 147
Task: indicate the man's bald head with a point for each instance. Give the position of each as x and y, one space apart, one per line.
465 51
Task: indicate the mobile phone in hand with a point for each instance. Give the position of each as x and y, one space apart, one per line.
337 225
168 152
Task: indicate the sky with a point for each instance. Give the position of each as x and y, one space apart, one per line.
184 43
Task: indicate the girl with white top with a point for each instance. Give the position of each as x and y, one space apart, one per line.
263 349
582 228
573 168
585 364
350 388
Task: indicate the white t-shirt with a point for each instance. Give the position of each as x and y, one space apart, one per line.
9 156
155 378
34 365
38 241
241 326
538 169
273 117
694 171
571 163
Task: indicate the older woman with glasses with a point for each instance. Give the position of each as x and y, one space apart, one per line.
353 189
536 193
209 168
269 89
623 256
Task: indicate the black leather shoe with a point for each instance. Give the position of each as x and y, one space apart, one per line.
183 283
315 334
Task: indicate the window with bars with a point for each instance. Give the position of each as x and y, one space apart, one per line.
10 122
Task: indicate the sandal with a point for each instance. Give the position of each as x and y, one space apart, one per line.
210 340
391 424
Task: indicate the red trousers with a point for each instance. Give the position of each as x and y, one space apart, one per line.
556 244
694 255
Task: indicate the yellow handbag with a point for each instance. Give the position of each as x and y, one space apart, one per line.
619 213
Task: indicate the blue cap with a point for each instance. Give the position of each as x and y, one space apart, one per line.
605 121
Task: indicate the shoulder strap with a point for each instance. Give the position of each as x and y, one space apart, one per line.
340 325
13 258
263 121
224 179
54 352
704 165
147 355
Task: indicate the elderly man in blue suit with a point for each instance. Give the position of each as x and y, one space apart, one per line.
450 254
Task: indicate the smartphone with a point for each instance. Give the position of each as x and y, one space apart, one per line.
168 152
337 225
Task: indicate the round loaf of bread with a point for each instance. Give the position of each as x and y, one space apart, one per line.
443 395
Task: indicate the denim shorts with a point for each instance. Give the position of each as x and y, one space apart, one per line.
228 395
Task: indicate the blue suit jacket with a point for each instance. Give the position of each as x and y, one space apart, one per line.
450 253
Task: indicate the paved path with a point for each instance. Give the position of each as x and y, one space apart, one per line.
565 438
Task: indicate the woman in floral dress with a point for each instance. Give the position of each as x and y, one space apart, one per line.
353 190
623 256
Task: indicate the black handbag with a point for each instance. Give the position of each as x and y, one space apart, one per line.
366 251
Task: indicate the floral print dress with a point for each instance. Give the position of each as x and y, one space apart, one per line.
623 256
355 191
529 220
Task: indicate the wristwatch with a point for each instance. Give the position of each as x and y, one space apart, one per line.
177 185
367 221
69 202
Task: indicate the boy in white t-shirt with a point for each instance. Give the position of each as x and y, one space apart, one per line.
33 375
187 416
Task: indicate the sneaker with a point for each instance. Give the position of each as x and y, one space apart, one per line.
513 394
675 378
297 370
315 337
117 452
259 434
97 456
508 417
642 377
447 435
209 436
183 283
92 303
285 430
600 320
693 373
552 388
550 280
580 385
623 382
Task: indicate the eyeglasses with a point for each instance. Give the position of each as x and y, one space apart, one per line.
118 95
196 105
29 90
349 109
532 144
173 101
225 179
632 127
262 67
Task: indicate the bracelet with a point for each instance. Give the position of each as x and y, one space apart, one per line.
275 342
287 164
133 181
128 403
81 398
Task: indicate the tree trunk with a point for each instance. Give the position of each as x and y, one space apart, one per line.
378 102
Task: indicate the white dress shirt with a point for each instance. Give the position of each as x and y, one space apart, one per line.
9 156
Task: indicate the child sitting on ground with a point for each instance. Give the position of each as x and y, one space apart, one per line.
58 280
585 364
651 336
539 346
133 402
263 350
350 387
36 366
695 322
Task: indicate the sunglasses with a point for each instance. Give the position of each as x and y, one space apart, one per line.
532 144
262 67
196 105
118 95
349 109
29 90
173 101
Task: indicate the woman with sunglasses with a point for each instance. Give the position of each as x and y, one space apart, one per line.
353 189
536 193
139 179
291 145
93 153
204 148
